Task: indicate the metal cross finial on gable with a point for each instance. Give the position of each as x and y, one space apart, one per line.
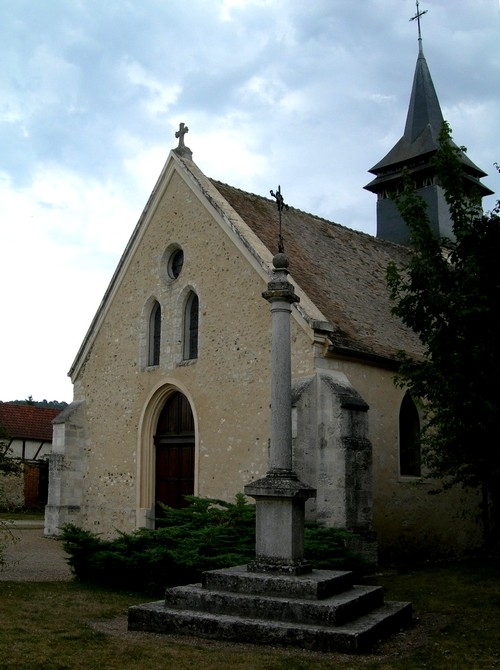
280 203
417 16
183 129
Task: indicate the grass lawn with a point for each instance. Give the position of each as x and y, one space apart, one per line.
66 625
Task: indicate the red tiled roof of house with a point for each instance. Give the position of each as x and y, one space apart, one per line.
27 421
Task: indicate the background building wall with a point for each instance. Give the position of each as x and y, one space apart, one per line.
29 488
11 491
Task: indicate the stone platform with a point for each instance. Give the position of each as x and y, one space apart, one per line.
322 610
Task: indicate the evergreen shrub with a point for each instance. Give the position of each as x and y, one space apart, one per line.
206 535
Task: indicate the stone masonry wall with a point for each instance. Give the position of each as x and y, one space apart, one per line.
407 519
102 476
228 385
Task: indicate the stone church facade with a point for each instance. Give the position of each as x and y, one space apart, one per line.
172 381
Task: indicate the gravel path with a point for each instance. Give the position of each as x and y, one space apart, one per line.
33 557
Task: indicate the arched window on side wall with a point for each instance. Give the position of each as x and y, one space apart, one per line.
409 439
191 327
154 335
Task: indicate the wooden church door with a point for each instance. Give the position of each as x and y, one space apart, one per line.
174 442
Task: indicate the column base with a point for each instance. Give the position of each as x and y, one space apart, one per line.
279 566
279 535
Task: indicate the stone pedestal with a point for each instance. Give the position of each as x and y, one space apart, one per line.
279 537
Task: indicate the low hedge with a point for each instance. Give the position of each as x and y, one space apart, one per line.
206 535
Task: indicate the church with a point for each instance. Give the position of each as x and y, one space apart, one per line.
172 382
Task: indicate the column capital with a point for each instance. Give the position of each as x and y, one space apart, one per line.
279 288
280 291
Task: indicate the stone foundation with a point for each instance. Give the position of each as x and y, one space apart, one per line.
320 611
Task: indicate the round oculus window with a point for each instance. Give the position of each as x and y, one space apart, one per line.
175 263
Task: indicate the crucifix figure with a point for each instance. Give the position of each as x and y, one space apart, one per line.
417 17
183 129
280 203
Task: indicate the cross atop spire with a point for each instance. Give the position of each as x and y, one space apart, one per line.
417 17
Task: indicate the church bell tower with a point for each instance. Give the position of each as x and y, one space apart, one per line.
414 151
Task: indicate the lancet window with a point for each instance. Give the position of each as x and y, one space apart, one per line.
154 335
191 319
409 439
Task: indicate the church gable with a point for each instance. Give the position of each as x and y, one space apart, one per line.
148 281
184 208
184 313
338 273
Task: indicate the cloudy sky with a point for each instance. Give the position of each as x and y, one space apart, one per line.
306 94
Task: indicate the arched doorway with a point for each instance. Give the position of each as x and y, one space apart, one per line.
174 441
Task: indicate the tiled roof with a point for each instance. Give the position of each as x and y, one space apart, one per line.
27 421
343 271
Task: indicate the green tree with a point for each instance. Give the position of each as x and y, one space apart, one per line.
449 294
8 466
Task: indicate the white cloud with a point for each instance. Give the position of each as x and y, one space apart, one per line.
227 7
143 167
308 95
160 97
63 235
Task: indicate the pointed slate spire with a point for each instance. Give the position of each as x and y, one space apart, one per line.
414 151
423 121
424 109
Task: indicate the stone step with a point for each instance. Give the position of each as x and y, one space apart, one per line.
316 585
333 611
355 637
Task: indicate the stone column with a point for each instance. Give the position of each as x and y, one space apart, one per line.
280 496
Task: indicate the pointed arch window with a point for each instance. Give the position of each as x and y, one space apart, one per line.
191 319
409 439
154 335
